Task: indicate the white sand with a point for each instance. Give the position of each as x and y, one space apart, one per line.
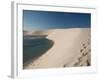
71 48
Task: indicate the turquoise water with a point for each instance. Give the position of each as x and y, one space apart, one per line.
34 47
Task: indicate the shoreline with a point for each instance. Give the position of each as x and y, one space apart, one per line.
67 51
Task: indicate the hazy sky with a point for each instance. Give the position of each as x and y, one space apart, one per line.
40 20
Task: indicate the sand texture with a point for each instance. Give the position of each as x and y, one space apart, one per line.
71 49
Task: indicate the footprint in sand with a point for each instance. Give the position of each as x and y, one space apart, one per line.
64 65
84 54
80 59
84 47
88 63
81 50
84 51
83 44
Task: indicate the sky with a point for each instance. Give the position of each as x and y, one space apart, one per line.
42 20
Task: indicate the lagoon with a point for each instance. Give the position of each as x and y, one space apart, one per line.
34 47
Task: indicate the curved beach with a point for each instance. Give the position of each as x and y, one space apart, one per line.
71 48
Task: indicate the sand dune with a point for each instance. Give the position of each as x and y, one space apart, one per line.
37 32
71 48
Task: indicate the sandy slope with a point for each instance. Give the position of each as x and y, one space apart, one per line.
71 48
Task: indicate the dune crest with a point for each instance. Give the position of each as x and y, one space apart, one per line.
71 48
37 32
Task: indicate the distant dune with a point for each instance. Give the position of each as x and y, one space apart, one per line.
71 48
37 32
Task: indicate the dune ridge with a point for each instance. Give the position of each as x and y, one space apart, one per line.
37 32
71 48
